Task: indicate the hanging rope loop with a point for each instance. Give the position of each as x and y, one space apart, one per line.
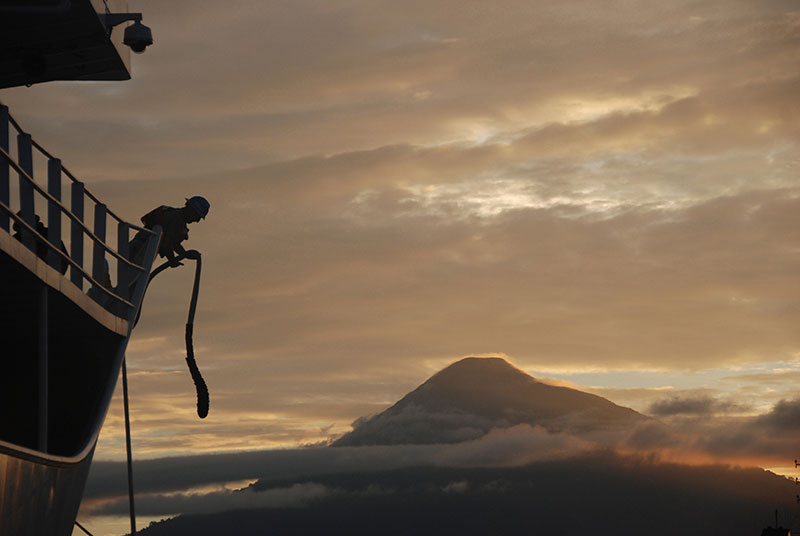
199 383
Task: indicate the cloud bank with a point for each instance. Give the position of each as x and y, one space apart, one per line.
539 496
167 484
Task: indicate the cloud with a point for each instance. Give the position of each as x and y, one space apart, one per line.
461 486
294 496
394 186
772 378
423 499
696 429
328 79
513 446
738 440
415 424
304 477
784 418
501 447
351 296
697 406
652 437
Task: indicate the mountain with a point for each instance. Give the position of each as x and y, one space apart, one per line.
471 396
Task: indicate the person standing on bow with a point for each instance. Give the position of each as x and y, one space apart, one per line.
174 224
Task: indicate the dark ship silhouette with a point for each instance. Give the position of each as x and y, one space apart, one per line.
69 294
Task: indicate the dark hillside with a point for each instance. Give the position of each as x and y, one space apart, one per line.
598 494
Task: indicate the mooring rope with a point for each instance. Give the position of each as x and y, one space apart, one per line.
82 528
199 383
131 509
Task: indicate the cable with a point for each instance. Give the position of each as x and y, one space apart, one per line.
83 528
128 446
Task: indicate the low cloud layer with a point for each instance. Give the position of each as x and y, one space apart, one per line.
501 447
166 484
690 430
697 406
476 500
784 418
294 496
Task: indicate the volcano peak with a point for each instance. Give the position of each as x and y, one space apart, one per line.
473 395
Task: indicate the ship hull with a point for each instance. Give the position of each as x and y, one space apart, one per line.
44 466
58 340
39 496
63 335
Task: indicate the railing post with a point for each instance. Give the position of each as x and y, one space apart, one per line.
5 186
43 386
99 267
123 271
151 250
76 234
25 151
54 213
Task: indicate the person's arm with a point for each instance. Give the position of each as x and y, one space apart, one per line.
174 232
173 261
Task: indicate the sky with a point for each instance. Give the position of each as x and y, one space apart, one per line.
604 193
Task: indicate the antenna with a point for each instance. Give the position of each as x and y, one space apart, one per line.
793 519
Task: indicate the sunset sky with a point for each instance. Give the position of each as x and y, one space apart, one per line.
603 192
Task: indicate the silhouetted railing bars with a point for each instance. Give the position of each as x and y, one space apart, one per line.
25 152
5 185
123 234
53 212
76 234
30 226
99 270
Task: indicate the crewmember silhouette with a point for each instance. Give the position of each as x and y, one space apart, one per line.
174 224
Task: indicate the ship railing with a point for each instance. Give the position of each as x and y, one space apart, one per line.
38 212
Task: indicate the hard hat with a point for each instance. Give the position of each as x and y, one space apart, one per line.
199 204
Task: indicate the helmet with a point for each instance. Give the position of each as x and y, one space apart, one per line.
199 204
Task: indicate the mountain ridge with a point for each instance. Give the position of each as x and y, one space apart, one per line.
473 395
